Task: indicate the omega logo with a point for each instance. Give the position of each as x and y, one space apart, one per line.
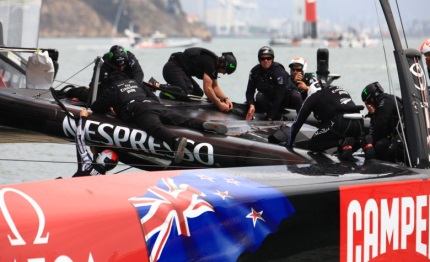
17 239
41 237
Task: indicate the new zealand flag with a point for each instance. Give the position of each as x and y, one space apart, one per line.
203 215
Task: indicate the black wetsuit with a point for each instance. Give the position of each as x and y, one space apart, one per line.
132 69
274 90
383 123
134 102
86 167
183 66
328 105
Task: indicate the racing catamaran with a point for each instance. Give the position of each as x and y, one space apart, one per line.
292 205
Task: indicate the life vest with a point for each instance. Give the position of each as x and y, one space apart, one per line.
265 80
188 60
126 93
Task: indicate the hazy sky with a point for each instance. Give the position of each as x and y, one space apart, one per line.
338 11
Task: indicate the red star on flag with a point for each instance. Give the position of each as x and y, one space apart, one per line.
223 194
205 177
255 215
232 181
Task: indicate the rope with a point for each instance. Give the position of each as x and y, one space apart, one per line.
391 88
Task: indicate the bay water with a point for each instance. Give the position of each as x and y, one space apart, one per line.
358 67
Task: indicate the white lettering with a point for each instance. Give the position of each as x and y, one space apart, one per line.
153 147
354 215
407 220
117 135
69 127
102 131
198 155
387 224
87 130
390 226
138 144
17 239
371 219
136 139
421 225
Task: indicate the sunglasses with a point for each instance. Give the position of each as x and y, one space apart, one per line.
269 58
296 70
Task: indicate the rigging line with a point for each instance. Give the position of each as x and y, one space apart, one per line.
401 24
390 83
75 74
123 170
65 81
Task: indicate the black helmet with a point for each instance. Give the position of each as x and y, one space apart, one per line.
266 50
118 55
229 62
371 90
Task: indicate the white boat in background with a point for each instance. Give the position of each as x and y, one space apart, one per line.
158 40
358 40
296 42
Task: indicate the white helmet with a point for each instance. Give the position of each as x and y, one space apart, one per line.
107 158
314 87
425 46
299 61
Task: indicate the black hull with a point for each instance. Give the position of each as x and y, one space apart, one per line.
245 145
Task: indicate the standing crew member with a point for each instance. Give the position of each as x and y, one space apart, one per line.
133 102
87 166
203 64
341 123
271 81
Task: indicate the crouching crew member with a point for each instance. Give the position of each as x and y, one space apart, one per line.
341 122
384 112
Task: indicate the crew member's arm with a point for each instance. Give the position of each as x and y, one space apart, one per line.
298 79
84 158
304 113
215 94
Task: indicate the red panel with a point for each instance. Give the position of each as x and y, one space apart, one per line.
90 219
385 222
311 10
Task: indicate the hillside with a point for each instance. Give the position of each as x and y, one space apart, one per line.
95 18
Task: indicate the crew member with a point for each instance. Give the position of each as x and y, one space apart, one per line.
298 66
273 84
103 161
384 119
134 102
117 59
198 62
341 123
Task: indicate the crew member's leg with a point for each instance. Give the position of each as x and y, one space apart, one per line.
174 75
147 118
293 99
262 103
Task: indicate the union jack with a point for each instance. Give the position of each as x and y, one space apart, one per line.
175 205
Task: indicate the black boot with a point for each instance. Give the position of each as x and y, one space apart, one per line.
346 148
